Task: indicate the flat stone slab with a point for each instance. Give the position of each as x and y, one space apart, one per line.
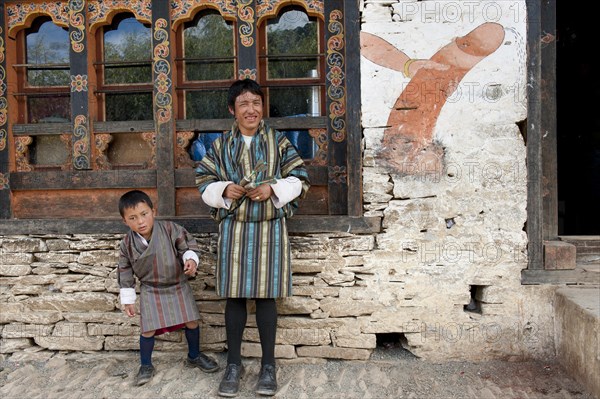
588 299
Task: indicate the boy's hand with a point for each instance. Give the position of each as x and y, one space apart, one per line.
129 310
190 267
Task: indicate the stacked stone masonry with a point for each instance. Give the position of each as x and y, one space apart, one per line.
61 293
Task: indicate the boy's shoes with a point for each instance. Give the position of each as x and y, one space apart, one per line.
267 381
144 375
203 362
230 384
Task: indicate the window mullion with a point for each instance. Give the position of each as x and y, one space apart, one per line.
247 41
335 72
82 142
162 75
5 209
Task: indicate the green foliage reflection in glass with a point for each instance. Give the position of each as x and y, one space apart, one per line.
129 41
129 107
208 44
47 46
206 104
292 39
127 54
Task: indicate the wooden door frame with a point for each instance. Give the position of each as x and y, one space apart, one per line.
545 249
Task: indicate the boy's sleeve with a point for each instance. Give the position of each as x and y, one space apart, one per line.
125 276
185 244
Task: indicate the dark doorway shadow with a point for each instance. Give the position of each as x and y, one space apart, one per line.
578 119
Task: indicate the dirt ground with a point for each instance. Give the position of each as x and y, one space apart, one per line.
390 373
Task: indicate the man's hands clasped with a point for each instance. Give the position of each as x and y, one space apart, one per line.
257 194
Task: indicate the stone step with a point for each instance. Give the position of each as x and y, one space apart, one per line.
577 318
587 248
582 241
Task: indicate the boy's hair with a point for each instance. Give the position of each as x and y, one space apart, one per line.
131 199
241 86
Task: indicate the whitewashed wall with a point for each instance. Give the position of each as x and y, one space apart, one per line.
464 225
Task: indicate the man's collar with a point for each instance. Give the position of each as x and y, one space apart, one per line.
259 130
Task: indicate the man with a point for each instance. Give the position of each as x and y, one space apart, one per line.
251 178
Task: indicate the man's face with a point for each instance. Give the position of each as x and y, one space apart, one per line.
248 112
140 219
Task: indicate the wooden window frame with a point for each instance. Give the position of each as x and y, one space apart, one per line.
99 66
170 179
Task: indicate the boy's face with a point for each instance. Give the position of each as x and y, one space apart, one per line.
140 219
248 112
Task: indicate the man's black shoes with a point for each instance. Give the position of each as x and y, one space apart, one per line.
267 380
230 384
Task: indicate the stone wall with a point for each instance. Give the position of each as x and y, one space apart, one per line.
443 275
61 293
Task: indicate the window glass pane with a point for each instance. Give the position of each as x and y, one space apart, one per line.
209 49
206 104
48 46
135 74
292 46
130 42
293 101
48 109
129 107
303 142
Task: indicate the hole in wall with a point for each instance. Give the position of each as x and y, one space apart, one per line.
392 345
523 129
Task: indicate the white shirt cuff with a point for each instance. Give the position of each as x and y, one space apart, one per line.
127 296
213 195
285 190
189 254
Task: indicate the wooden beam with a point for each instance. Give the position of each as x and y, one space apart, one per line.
534 138
45 129
296 224
353 127
548 120
571 277
73 180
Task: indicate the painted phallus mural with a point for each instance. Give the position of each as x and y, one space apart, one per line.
408 145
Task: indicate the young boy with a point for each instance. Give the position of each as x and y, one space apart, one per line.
161 254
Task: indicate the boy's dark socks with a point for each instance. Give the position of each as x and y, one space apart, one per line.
192 335
146 348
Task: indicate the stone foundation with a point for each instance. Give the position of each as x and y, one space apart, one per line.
60 293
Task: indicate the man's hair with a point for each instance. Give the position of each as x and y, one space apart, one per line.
131 199
241 86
